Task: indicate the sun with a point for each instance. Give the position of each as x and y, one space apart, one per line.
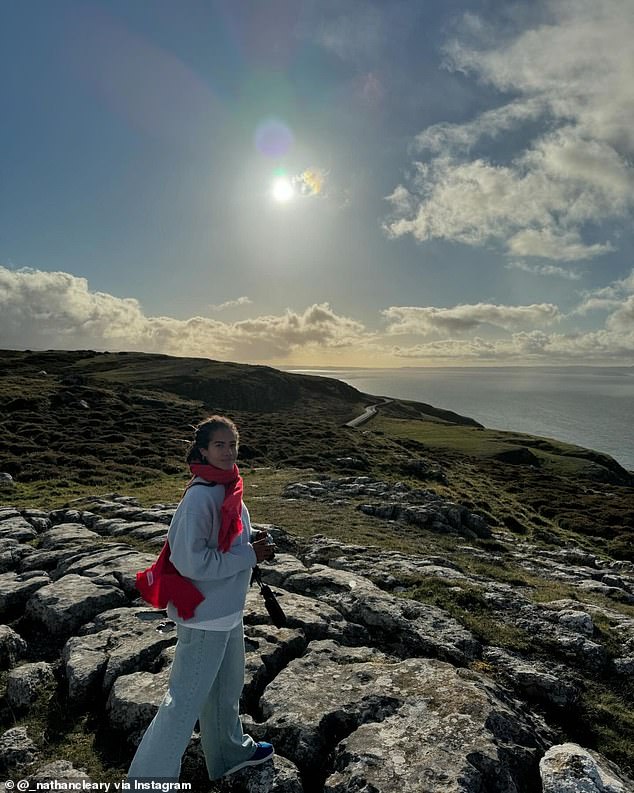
282 190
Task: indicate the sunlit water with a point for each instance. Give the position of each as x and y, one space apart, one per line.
588 406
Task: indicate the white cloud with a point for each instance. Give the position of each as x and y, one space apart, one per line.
612 296
425 320
544 269
444 137
240 301
573 74
550 244
317 326
596 304
579 61
447 350
58 310
622 320
536 347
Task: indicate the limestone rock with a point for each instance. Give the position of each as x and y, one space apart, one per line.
134 699
533 679
267 651
49 560
577 620
59 770
119 562
12 647
17 528
281 568
624 666
360 692
17 588
403 626
562 642
316 618
613 592
398 502
67 534
568 768
12 553
410 717
16 750
278 776
400 625
25 683
386 569
38 518
115 643
63 606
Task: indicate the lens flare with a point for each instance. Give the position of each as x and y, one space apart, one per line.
311 181
273 138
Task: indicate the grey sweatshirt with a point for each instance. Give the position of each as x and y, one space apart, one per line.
223 578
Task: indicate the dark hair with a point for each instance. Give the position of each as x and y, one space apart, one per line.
204 432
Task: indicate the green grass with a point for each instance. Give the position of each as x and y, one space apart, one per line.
466 604
608 719
58 493
478 442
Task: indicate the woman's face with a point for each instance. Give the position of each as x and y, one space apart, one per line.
222 450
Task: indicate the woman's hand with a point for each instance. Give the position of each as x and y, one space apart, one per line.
264 550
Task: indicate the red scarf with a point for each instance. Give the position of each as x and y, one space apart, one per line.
231 523
161 583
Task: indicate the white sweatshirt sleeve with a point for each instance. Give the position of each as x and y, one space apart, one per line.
193 537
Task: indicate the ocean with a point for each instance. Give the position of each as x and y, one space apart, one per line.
588 406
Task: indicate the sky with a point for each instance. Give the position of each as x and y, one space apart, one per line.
379 183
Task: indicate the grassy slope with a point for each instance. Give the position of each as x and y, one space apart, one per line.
131 438
133 433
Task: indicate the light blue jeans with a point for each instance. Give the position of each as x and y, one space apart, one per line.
205 683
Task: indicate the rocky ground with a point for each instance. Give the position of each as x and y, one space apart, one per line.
368 688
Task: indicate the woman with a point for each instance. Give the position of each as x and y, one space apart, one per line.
211 544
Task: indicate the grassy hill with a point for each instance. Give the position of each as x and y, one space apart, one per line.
81 422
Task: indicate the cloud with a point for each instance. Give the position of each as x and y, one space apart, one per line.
519 346
58 310
573 110
447 350
425 320
549 244
536 347
46 310
609 297
56 307
240 301
544 269
277 335
443 137
353 32
622 320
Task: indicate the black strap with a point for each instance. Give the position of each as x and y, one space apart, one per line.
275 611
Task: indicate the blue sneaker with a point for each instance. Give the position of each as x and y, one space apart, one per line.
264 751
